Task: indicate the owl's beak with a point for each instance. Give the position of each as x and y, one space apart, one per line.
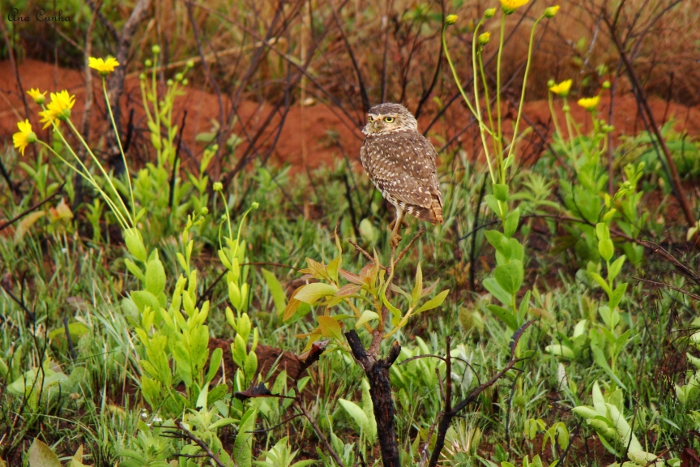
375 124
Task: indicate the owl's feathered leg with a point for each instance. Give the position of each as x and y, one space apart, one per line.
395 237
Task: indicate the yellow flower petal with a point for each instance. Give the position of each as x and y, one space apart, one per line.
59 107
509 6
46 118
39 97
104 67
24 137
562 89
589 103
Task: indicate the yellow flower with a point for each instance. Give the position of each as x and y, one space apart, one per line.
551 11
103 67
451 19
24 137
509 6
58 108
589 103
561 89
39 97
484 38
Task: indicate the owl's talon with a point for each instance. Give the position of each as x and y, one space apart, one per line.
394 240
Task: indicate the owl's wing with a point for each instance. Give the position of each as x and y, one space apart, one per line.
403 164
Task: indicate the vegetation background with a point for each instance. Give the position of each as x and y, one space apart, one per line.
268 99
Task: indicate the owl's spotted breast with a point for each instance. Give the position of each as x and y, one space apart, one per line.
402 166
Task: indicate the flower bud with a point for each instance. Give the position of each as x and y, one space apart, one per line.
450 19
484 38
179 77
142 76
190 64
218 186
606 84
148 62
551 83
184 82
489 13
204 211
155 49
551 11
566 108
169 82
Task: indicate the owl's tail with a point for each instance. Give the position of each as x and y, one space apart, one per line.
432 214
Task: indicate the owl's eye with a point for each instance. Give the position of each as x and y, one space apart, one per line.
371 119
389 119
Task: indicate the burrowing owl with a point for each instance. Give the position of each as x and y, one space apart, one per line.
401 163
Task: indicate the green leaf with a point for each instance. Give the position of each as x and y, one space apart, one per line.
76 331
606 249
366 316
216 394
617 295
134 243
76 460
598 399
500 191
330 328
40 455
434 302
243 446
585 412
214 364
599 358
202 398
510 276
155 276
504 315
311 293
561 350
602 231
251 365
144 298
356 413
498 241
418 286
497 291
395 312
615 268
601 282
135 270
492 203
623 428
26 223
276 291
510 225
332 268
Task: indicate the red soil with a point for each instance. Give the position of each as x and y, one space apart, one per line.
304 139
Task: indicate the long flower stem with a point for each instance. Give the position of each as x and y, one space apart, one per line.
487 99
121 149
482 126
522 93
499 130
477 104
555 120
88 178
102 169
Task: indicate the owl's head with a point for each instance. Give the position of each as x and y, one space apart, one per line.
389 118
